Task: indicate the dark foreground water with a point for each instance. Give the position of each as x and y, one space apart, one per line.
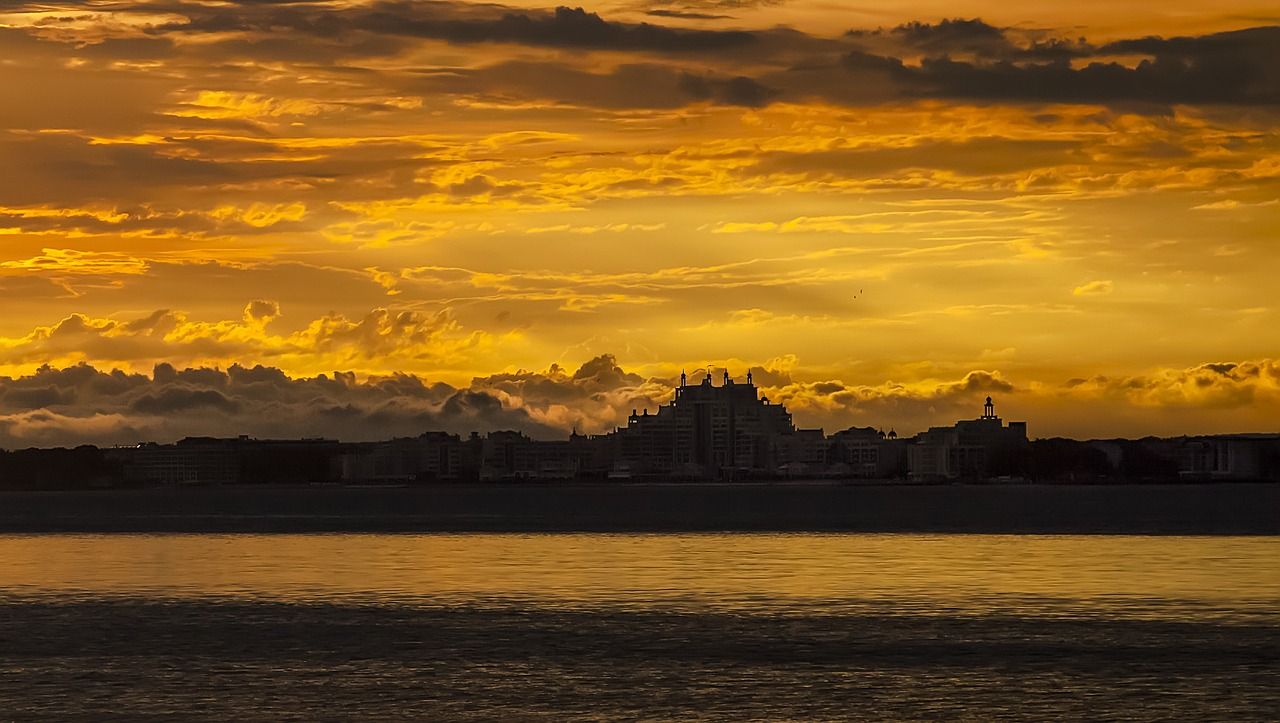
638 626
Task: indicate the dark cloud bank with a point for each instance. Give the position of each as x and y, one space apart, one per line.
957 58
82 404
960 59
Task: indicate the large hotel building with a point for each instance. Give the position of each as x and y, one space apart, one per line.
711 431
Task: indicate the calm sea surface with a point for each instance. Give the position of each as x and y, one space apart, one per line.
639 626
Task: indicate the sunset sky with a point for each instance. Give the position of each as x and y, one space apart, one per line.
477 216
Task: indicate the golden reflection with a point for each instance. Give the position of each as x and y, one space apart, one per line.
908 574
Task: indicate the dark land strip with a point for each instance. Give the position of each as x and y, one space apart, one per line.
1175 509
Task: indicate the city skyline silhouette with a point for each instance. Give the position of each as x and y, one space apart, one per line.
662 360
554 210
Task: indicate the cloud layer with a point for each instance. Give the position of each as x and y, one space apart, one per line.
1000 197
82 404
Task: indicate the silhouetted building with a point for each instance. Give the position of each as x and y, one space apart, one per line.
593 453
973 448
868 453
209 460
1229 457
433 456
195 460
708 431
510 455
802 453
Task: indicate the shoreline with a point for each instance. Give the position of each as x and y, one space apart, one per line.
639 482
1181 508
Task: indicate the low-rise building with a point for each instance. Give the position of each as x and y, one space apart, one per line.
1229 457
976 448
428 457
869 453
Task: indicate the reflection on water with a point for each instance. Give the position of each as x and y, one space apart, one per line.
627 627
1142 576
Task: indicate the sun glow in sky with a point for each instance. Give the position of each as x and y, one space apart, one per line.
476 216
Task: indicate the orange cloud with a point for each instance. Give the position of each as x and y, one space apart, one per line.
460 190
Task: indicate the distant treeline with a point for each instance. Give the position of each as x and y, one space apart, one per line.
1068 459
79 468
